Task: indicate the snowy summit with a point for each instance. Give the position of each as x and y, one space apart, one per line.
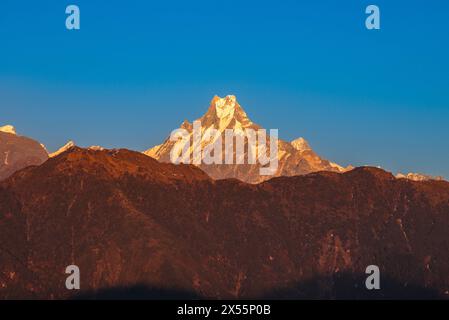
8 129
63 149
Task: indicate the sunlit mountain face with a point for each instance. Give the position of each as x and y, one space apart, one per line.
226 114
212 150
18 152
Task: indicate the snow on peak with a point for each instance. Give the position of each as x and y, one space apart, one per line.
300 144
417 177
224 107
226 113
96 148
8 129
63 149
338 167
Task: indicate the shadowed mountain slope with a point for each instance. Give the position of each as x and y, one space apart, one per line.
127 220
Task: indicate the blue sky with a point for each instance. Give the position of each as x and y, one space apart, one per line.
137 69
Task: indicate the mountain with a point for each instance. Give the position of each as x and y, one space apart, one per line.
418 177
129 221
64 148
8 129
18 152
300 144
294 158
69 145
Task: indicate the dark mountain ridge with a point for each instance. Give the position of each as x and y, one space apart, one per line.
126 220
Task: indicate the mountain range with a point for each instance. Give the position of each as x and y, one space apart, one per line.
128 220
295 157
138 226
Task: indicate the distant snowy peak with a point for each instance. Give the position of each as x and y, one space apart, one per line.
417 177
300 144
96 148
224 107
339 168
153 152
8 129
225 113
63 149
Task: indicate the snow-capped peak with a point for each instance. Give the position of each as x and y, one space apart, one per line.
224 107
225 113
63 149
300 144
96 148
418 177
8 129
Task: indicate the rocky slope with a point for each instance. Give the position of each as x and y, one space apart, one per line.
127 220
17 152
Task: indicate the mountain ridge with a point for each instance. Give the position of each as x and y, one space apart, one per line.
125 219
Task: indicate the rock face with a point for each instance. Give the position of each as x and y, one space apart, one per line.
294 158
17 152
127 220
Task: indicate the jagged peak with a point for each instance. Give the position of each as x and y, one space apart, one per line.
225 113
8 129
224 107
300 144
186 125
69 145
226 99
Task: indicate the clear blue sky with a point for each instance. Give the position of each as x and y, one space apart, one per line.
137 69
